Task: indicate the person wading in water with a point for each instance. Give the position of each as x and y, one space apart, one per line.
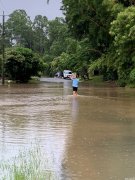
75 82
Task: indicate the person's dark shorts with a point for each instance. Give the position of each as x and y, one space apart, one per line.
75 88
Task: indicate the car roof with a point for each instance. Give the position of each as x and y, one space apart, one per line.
68 70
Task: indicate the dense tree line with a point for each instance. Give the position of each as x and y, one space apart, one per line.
107 28
95 37
44 39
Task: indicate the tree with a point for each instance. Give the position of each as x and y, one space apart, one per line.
21 64
123 31
56 42
89 19
40 31
126 3
57 34
89 23
19 28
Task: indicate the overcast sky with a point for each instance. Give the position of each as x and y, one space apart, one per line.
32 7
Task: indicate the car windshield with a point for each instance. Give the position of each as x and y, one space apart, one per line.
68 73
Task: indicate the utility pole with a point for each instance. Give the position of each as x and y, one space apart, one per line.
3 48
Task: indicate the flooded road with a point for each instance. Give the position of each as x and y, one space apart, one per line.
88 137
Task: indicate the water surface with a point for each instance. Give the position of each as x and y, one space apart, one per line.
89 137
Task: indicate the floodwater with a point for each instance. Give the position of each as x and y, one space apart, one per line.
89 137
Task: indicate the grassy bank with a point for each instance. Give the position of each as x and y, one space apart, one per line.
28 165
98 81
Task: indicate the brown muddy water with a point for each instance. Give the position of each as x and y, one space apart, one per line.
89 137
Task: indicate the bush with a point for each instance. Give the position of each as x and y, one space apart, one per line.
132 76
21 64
29 164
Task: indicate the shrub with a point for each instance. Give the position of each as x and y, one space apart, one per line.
132 76
21 64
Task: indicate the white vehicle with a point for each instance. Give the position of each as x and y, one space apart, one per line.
67 74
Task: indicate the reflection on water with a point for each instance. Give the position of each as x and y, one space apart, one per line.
91 136
75 108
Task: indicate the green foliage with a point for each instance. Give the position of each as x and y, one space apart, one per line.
96 36
76 58
60 63
126 3
71 45
21 64
57 34
30 164
89 19
89 22
40 32
18 29
105 66
123 30
113 7
132 76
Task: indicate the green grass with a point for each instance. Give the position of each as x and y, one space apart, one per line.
97 79
131 85
34 80
28 165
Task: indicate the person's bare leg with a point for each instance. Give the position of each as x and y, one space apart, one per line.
74 93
